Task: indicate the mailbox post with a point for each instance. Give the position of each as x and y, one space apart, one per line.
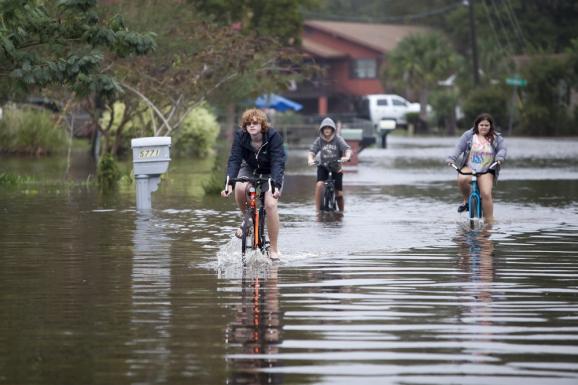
386 126
150 158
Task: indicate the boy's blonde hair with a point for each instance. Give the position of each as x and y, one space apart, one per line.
255 115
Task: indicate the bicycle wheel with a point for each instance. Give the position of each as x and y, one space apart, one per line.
244 235
475 209
324 201
332 200
328 199
256 230
263 243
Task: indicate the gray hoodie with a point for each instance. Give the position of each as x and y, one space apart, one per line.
331 150
462 149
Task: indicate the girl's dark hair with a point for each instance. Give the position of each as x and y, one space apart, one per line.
488 117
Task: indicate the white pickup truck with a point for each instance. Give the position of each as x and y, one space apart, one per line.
377 107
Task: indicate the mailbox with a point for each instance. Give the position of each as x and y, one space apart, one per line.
150 157
386 126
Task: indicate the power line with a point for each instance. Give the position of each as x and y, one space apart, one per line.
511 49
494 30
516 25
369 19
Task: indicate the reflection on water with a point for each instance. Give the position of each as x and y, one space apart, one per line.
254 335
330 217
151 312
476 254
476 258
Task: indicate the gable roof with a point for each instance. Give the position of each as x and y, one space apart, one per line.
320 50
381 37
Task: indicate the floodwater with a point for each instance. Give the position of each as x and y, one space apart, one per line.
397 290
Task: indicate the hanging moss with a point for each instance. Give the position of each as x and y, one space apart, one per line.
108 173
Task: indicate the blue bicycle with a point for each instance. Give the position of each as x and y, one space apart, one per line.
475 211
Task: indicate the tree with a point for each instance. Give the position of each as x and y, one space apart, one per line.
279 19
63 43
419 62
197 61
546 98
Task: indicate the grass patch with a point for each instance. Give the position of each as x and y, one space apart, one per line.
14 180
20 180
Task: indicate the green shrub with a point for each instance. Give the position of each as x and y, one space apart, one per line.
287 118
412 118
216 181
197 134
491 99
546 98
12 180
107 173
30 131
444 104
195 137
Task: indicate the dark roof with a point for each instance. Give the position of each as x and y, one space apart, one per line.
381 37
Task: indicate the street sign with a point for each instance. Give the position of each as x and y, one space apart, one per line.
516 82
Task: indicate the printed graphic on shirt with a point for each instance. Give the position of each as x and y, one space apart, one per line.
330 151
481 155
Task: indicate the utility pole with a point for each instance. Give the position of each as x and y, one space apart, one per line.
474 42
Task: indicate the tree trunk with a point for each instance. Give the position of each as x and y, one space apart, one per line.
451 122
423 97
230 124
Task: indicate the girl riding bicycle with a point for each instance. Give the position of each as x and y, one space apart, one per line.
332 148
257 150
479 147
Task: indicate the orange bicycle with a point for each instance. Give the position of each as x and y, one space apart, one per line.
253 226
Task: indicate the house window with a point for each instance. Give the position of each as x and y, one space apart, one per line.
364 69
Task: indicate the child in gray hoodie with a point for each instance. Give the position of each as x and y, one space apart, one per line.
331 148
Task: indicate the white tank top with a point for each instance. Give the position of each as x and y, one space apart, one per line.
481 154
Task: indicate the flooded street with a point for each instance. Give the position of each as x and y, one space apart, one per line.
397 290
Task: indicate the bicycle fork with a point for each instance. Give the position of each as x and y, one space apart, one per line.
255 212
475 201
258 217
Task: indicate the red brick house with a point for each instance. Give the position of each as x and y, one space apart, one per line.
352 55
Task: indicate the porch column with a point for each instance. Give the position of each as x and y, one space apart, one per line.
322 105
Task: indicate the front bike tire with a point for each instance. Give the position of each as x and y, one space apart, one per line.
328 199
475 209
332 201
244 236
256 229
263 243
324 202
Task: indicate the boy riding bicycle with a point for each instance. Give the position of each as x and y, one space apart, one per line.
331 148
257 150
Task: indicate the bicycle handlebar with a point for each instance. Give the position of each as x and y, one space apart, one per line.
492 167
254 181
325 164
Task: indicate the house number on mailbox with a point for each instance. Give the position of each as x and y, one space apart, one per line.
151 153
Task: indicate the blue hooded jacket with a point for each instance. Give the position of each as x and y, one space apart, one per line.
270 158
